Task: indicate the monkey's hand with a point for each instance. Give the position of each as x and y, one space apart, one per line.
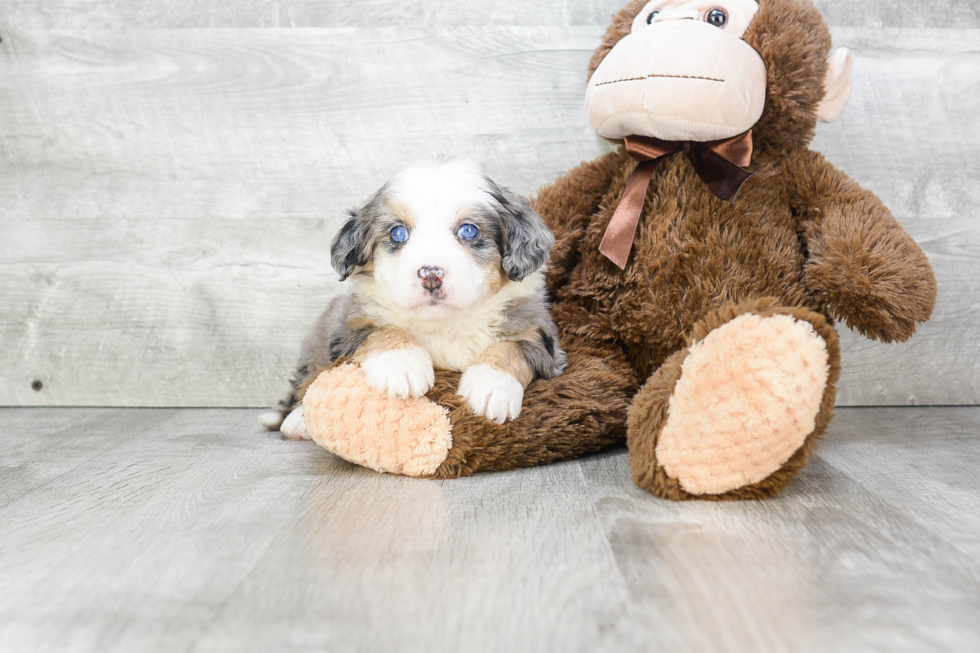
863 267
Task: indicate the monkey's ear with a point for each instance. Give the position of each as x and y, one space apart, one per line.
837 86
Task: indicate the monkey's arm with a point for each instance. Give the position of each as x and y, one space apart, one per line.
567 207
862 265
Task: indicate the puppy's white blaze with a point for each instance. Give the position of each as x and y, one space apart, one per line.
294 426
496 395
455 339
439 187
436 192
432 243
401 373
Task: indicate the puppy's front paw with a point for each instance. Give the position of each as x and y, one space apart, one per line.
402 373
491 393
294 426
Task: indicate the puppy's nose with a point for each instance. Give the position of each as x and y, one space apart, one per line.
431 277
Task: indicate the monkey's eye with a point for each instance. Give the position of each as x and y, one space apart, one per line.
467 232
716 17
399 234
653 14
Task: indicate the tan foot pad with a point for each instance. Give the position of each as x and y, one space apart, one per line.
351 419
747 398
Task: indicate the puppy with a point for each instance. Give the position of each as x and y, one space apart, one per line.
446 269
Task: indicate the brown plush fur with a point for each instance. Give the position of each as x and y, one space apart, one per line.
581 412
802 240
648 412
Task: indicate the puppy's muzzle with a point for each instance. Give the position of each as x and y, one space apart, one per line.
431 277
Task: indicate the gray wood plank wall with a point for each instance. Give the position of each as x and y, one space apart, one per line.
171 173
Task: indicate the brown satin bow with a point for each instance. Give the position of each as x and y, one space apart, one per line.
720 164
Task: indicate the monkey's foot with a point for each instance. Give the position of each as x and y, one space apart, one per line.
349 418
737 414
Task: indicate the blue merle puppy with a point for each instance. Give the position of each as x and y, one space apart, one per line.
446 270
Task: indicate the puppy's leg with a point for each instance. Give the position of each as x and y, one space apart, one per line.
494 387
294 426
325 342
394 363
272 419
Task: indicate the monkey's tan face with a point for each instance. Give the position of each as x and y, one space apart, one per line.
683 74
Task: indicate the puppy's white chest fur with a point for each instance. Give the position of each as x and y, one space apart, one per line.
458 344
456 341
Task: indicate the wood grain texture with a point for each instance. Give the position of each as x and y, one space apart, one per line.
911 134
169 195
191 530
176 14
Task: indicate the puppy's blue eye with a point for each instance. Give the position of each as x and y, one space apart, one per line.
399 235
468 232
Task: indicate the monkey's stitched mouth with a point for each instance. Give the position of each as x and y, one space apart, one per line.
640 79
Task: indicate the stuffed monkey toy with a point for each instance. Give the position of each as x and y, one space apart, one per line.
697 272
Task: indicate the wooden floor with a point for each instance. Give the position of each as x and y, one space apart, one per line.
192 530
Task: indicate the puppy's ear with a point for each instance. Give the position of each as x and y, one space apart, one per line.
527 241
352 246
